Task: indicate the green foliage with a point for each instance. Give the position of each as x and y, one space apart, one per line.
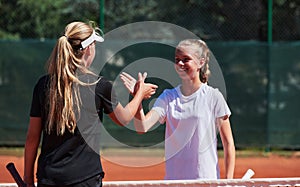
211 20
44 15
8 36
80 10
43 18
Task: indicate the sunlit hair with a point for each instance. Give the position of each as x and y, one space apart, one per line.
63 66
202 52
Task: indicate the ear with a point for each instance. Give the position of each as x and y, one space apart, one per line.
202 61
88 50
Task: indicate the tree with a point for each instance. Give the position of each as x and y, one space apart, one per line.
211 20
43 18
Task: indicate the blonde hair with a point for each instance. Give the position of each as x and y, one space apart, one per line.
63 64
202 53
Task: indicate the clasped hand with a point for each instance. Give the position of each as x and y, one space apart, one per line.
132 85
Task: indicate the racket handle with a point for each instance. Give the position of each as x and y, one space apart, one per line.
248 174
15 174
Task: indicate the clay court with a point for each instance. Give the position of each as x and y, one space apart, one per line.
265 165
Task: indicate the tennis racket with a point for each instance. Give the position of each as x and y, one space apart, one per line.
15 174
248 174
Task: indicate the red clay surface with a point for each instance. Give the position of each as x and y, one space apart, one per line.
271 166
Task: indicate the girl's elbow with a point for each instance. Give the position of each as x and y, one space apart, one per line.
123 123
230 145
140 129
141 132
231 148
145 129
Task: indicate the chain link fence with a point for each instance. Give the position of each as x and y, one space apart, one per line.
211 20
261 68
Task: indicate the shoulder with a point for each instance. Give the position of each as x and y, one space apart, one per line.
44 78
43 81
103 80
104 85
213 95
213 92
169 92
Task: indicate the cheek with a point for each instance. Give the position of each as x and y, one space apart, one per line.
93 53
176 67
197 64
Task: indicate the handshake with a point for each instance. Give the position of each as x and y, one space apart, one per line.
133 85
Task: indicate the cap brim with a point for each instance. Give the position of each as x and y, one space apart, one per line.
98 38
94 37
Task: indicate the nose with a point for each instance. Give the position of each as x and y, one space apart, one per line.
180 63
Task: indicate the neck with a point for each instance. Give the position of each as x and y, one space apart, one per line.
189 87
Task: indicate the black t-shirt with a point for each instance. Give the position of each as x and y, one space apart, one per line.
72 158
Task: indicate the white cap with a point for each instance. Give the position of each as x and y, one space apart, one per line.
94 37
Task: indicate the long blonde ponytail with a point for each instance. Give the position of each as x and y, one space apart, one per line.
63 64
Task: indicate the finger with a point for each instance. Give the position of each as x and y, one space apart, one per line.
140 76
144 75
153 86
126 79
128 76
150 94
128 87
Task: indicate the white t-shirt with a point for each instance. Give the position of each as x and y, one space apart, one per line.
191 131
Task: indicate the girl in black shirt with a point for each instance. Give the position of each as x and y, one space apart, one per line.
67 106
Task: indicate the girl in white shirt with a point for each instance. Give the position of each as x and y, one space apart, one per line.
194 113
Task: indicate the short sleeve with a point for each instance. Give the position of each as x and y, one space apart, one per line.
35 110
161 106
220 105
105 96
38 97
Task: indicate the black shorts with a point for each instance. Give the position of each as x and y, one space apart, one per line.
95 181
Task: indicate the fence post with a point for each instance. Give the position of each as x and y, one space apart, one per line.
269 48
101 14
270 14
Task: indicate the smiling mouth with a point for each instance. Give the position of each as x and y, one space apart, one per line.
183 71
182 68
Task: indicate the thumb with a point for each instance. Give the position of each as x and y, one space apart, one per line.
140 77
144 76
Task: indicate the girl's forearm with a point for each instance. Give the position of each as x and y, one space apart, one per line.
229 159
